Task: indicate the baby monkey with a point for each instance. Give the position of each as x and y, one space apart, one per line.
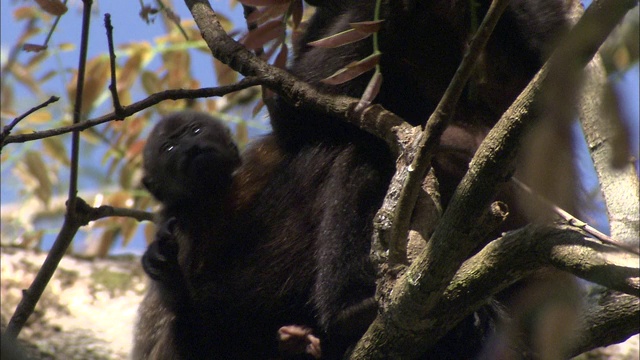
189 160
200 304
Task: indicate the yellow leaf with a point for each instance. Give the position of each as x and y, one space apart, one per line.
39 117
128 229
242 133
55 148
106 241
121 199
35 60
150 82
37 169
25 12
129 73
66 47
96 77
224 73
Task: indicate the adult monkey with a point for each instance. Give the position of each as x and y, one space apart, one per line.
335 175
305 195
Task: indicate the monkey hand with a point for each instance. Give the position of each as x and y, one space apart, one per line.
160 261
298 340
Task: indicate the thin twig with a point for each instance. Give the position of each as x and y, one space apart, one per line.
7 129
71 222
104 211
572 220
117 107
136 107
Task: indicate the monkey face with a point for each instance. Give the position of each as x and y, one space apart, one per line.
189 154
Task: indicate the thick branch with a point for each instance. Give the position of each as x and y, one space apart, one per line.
374 119
619 186
608 318
519 254
405 319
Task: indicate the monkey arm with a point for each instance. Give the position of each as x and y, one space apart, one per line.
160 262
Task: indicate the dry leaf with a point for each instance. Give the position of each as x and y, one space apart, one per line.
353 70
342 38
263 2
33 47
257 37
262 15
53 7
370 93
368 27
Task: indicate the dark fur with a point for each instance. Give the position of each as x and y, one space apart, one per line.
422 44
296 249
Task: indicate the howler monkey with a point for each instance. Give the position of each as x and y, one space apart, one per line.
213 294
189 159
335 175
295 249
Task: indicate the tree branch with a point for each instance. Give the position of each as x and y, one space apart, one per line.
608 318
71 221
136 107
575 221
7 129
403 320
118 111
93 213
619 185
501 263
374 119
409 177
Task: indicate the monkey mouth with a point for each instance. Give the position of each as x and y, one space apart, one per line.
198 159
206 166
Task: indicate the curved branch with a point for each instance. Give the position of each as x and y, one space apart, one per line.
70 225
519 254
7 129
608 318
374 119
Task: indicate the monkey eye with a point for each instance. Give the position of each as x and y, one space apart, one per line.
166 147
195 129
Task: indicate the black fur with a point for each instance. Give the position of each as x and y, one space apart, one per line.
335 175
293 247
